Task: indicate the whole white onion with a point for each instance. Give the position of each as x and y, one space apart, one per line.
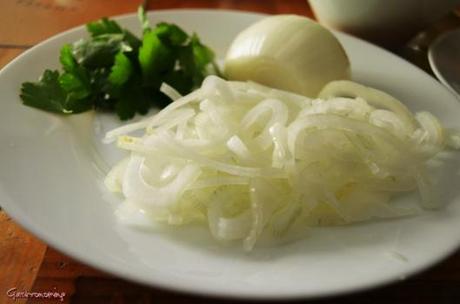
287 52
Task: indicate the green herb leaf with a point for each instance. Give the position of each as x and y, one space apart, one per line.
187 60
179 81
133 98
203 54
132 41
116 71
125 109
74 81
66 58
102 90
121 70
171 34
102 27
100 51
75 87
47 94
154 57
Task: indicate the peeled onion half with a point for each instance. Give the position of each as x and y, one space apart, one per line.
287 52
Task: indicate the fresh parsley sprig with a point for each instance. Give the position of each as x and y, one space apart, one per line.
113 70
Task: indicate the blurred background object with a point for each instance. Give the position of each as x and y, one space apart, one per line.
385 22
444 58
27 22
407 28
416 50
24 23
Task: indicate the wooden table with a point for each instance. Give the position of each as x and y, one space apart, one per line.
27 263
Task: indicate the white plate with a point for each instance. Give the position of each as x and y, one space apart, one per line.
51 171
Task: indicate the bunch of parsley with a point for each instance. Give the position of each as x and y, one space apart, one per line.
114 70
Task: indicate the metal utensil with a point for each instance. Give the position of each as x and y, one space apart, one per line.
444 58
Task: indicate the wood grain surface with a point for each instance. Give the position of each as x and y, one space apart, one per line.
28 264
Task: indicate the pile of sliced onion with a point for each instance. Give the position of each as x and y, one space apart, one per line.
248 160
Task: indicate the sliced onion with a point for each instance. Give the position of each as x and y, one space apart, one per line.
251 161
170 91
